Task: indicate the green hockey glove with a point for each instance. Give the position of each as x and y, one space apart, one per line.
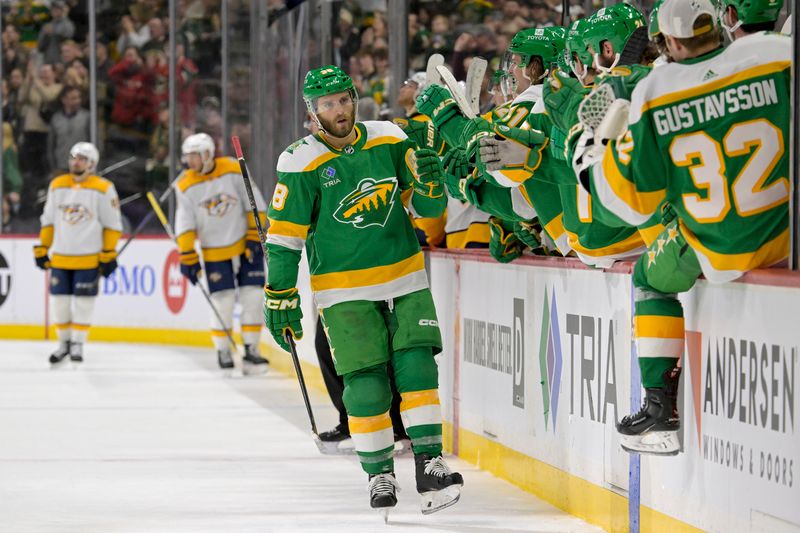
528 137
530 234
456 169
281 313
504 245
562 95
428 173
437 102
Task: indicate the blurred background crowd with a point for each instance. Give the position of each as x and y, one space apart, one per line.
46 89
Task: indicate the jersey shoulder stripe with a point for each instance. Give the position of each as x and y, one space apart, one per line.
304 155
94 183
382 132
222 167
750 57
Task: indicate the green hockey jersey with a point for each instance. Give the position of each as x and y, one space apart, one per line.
709 136
346 207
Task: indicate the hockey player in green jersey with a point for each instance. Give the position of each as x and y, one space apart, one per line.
341 195
707 134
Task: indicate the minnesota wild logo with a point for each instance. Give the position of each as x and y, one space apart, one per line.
369 204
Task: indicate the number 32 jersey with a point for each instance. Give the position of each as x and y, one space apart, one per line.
710 136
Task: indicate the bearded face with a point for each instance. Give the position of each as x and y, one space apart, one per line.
337 113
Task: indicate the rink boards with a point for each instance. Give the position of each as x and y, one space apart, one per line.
536 370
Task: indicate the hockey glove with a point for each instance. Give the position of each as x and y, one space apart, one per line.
504 246
190 266
530 234
562 96
253 251
282 312
428 173
437 102
511 147
42 259
456 169
108 262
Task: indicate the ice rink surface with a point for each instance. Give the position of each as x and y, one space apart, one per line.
145 438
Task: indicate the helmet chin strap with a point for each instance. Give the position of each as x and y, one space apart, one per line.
603 69
729 29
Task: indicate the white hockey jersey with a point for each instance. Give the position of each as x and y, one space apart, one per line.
80 220
214 209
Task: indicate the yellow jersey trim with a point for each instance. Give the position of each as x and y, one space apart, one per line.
368 276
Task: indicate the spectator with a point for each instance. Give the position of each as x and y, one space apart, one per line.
157 165
132 113
68 126
441 39
186 77
38 98
346 40
200 33
55 32
366 71
130 35
69 52
541 14
77 77
12 179
380 81
158 36
11 89
15 55
28 16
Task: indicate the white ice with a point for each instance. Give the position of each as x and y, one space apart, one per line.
148 438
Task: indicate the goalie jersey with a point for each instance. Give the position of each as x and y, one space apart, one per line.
80 220
214 208
710 136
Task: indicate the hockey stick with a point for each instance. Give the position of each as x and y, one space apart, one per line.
237 148
144 220
168 228
432 76
474 82
132 198
458 95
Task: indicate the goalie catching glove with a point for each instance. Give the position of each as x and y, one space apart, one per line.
282 313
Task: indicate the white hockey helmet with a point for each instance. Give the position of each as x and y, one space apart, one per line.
87 150
420 79
200 143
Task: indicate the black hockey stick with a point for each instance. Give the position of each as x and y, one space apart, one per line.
168 228
287 335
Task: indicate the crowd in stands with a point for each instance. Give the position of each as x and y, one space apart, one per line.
45 85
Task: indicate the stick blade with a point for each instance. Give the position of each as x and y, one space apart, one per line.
474 82
458 95
432 76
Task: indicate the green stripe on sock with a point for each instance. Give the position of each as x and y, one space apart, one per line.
653 368
426 438
658 307
377 462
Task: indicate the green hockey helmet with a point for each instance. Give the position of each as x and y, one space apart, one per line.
324 81
750 12
576 44
614 24
546 43
653 31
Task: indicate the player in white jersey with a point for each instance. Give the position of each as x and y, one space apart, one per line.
81 225
213 208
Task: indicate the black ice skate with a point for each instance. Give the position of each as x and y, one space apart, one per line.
438 486
654 429
76 352
224 359
336 441
61 352
253 361
383 493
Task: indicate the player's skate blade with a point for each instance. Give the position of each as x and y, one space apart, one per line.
59 355
652 443
342 447
436 500
383 493
438 486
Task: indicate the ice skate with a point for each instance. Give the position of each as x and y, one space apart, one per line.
253 361
224 359
76 353
336 441
654 429
61 352
438 486
383 493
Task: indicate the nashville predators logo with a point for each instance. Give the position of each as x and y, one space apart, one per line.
75 213
219 205
368 205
